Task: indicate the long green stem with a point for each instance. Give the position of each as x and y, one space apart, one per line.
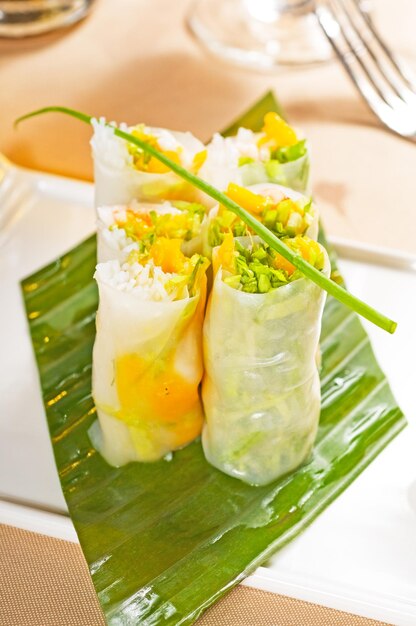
274 242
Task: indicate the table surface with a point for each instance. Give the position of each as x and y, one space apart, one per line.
134 61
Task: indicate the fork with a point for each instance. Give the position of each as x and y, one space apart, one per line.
381 79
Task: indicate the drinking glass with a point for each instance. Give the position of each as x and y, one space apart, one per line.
24 18
260 34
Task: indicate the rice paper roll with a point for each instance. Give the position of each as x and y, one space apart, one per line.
287 213
147 359
261 389
275 155
123 229
123 172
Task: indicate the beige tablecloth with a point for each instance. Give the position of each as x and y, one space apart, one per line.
133 60
45 582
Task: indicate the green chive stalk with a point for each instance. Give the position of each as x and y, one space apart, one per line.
357 305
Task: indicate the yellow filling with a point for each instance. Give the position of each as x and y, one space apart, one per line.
276 132
147 163
167 254
252 202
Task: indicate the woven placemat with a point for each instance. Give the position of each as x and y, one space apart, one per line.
45 582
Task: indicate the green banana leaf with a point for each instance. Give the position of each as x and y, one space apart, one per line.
164 541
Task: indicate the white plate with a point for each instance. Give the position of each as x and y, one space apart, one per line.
358 556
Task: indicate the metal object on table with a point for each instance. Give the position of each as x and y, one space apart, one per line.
381 79
24 18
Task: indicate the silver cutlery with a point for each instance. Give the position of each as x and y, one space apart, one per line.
381 79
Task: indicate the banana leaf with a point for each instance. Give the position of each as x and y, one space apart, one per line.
165 540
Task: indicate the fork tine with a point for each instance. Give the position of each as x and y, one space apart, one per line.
398 118
401 68
358 47
333 30
377 50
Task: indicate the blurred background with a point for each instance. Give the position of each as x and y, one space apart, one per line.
136 60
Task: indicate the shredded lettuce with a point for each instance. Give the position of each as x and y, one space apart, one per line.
144 228
286 154
257 268
286 218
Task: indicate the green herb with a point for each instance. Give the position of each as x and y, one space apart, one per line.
308 270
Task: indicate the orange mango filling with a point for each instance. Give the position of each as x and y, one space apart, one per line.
153 386
167 254
198 161
151 164
280 263
252 202
277 132
148 394
147 163
225 255
255 203
139 224
306 247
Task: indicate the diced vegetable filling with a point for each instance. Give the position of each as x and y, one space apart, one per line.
144 227
165 142
258 268
285 218
276 142
280 139
185 273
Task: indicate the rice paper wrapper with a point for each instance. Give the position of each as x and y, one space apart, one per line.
118 182
147 366
261 389
113 244
294 174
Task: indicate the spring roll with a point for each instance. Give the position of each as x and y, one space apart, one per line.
261 390
275 155
147 357
285 212
122 229
122 171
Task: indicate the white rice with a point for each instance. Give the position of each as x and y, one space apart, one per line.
148 281
221 164
111 148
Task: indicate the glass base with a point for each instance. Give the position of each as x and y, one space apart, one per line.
25 18
260 34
